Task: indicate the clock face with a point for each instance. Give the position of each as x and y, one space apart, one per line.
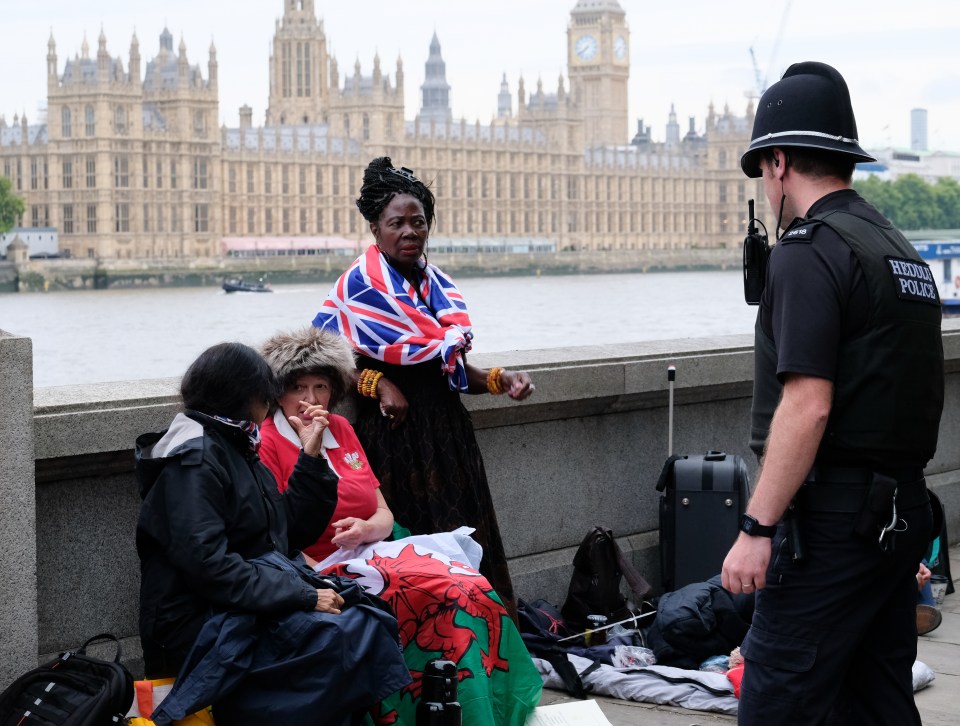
620 47
586 47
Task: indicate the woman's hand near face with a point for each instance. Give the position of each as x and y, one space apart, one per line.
517 385
393 404
328 601
310 433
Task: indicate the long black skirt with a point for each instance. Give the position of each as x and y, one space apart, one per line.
430 469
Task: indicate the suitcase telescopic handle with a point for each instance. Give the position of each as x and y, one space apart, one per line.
671 377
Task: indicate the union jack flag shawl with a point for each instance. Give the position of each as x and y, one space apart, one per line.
380 313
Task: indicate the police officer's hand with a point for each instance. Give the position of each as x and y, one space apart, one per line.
745 567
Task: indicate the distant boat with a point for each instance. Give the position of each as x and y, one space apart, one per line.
240 285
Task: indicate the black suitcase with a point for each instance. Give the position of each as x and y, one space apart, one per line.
702 499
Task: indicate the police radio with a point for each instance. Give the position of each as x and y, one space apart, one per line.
756 250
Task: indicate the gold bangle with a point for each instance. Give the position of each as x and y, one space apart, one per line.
494 384
374 382
363 380
368 381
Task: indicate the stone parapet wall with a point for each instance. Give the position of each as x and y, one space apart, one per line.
585 450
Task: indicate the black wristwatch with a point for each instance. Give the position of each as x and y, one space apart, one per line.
752 527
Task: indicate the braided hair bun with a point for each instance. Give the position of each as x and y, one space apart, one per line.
382 182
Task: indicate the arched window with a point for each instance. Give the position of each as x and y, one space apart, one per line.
120 120
366 127
66 126
89 121
346 125
722 159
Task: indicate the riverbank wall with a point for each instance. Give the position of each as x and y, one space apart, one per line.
586 449
91 274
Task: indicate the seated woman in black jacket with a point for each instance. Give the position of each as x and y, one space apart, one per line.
211 512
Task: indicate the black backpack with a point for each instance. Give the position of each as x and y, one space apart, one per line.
73 690
598 567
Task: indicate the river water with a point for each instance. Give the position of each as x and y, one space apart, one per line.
110 335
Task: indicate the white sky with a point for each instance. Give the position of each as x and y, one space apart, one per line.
895 55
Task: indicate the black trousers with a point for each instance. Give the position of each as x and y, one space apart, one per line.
834 636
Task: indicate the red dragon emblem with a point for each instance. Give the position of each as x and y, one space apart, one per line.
427 593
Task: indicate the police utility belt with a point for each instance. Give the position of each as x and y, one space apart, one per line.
872 495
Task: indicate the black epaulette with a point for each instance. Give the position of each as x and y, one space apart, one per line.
802 232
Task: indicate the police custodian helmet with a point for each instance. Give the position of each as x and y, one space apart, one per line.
810 106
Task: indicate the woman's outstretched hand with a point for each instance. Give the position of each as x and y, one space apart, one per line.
311 432
517 385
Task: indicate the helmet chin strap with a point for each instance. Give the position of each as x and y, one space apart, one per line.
783 198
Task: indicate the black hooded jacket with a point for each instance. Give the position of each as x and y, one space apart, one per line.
210 507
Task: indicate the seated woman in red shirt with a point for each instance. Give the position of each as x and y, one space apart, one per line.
445 608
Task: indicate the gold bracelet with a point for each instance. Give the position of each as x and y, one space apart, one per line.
494 384
363 383
374 382
368 381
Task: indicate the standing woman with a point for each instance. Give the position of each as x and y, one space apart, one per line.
410 324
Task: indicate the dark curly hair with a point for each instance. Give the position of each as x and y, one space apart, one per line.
228 380
382 182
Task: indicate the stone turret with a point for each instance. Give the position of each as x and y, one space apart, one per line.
246 117
504 100
103 58
51 59
134 59
183 66
673 128
212 66
435 91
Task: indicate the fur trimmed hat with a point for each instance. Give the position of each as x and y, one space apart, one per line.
311 350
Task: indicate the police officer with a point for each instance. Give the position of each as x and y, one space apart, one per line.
848 391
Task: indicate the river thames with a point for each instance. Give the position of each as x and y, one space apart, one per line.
110 335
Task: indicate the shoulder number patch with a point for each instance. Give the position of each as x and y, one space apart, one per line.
913 280
800 233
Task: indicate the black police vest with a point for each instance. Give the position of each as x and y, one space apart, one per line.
888 393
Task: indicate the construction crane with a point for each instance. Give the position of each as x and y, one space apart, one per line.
760 81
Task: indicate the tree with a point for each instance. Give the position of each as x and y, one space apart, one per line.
911 203
947 194
918 209
11 206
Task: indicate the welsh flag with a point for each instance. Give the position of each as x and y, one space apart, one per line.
446 609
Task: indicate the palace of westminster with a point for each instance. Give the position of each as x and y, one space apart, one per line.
130 163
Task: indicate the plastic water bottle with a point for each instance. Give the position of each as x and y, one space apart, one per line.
438 701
